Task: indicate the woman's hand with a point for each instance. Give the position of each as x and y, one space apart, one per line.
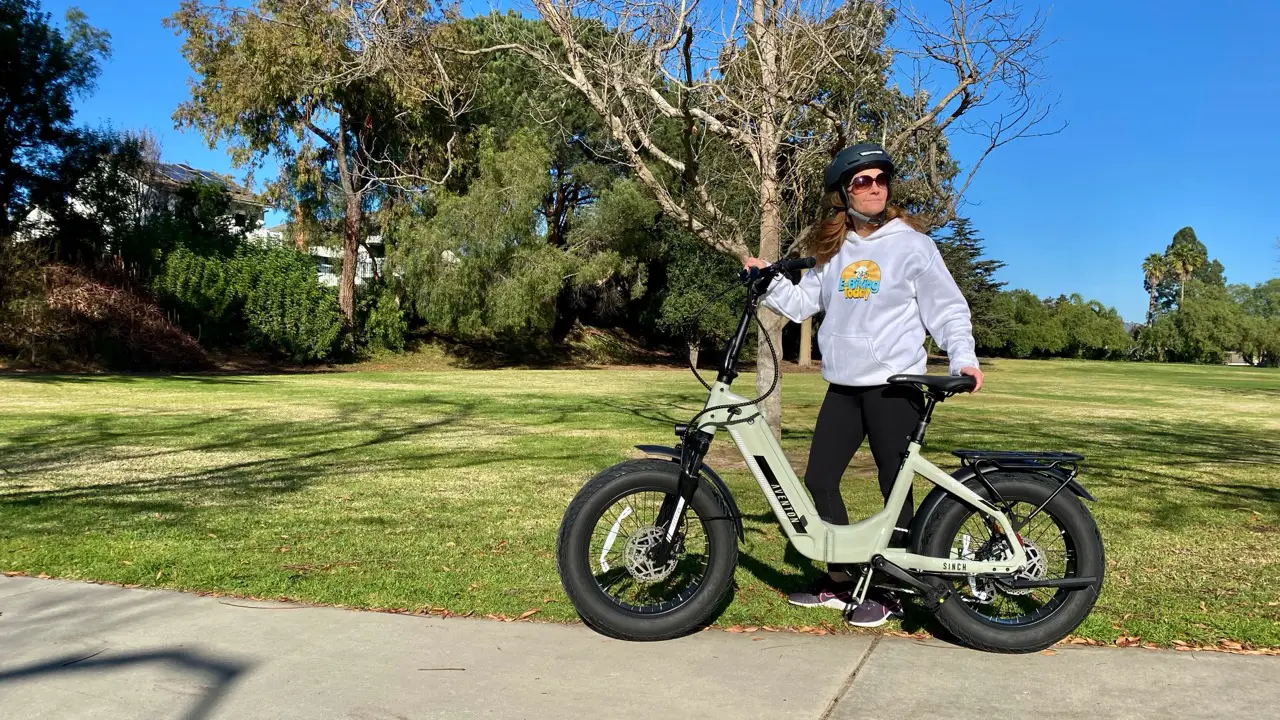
754 262
975 372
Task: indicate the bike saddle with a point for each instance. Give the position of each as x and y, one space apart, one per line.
937 384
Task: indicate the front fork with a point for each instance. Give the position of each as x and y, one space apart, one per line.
693 448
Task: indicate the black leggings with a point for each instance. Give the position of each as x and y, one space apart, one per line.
887 414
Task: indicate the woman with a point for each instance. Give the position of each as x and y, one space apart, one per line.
882 284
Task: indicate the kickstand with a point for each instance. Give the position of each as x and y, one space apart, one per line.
864 584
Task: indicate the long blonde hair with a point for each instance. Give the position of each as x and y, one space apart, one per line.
825 242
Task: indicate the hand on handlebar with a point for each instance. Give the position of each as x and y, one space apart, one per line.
754 267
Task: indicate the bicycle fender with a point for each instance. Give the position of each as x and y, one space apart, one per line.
968 476
716 482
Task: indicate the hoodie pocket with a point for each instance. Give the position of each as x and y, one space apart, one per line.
851 359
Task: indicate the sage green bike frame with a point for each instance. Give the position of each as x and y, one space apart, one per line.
860 541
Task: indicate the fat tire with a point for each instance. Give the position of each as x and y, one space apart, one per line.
940 531
574 565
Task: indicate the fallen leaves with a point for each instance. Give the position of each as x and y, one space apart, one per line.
528 613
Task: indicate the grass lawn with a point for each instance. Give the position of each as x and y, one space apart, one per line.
393 489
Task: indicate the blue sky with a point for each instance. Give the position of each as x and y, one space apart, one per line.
1172 112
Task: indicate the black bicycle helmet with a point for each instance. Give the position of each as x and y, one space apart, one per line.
850 161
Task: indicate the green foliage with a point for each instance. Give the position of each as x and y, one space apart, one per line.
286 308
615 244
1184 258
1033 328
203 291
696 278
45 70
1091 329
384 324
478 270
1195 317
268 298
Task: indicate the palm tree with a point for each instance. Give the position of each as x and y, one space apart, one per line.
1183 260
1154 269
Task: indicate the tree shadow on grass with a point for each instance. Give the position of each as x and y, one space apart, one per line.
1162 462
286 456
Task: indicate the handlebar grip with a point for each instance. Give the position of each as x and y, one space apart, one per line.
798 264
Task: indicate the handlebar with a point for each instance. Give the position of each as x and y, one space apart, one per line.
782 266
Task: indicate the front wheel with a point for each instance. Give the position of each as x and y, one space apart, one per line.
610 578
1060 541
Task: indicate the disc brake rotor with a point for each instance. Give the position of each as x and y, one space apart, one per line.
984 589
1036 569
637 556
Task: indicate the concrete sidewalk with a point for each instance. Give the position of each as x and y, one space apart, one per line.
72 650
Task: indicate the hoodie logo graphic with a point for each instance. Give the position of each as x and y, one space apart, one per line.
860 280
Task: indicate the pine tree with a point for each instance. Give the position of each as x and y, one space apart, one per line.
962 252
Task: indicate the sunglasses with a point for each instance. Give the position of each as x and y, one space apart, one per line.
863 183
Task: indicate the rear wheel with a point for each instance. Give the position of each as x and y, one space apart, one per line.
607 571
1060 541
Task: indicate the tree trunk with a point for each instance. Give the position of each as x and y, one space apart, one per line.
1151 307
806 343
770 241
764 23
350 256
351 230
299 229
693 354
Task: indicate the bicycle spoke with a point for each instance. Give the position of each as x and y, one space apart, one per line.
632 579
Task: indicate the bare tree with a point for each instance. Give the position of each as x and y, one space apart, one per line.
783 84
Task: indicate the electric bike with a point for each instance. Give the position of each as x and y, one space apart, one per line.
1002 551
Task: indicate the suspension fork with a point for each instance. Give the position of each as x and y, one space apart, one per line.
693 449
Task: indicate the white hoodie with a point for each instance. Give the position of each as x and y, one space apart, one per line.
881 293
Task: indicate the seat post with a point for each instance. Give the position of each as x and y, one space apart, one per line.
918 436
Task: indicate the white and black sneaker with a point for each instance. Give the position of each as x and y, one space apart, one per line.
874 611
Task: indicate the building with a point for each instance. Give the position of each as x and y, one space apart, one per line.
157 189
247 212
329 259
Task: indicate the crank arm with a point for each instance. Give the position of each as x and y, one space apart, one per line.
932 595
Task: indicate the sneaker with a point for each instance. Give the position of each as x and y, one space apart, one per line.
824 592
889 600
869 613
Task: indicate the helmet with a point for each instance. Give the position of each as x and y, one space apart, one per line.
852 160
855 159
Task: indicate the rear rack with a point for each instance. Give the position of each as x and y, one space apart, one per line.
1016 457
1060 466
